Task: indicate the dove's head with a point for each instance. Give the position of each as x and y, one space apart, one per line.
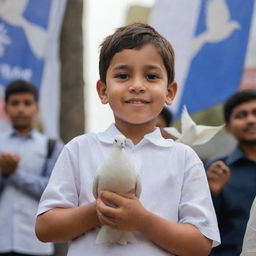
119 140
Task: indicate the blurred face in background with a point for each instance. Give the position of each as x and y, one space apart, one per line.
22 109
242 123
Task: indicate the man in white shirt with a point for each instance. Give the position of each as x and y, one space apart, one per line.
25 168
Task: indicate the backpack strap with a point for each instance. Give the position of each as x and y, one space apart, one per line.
50 147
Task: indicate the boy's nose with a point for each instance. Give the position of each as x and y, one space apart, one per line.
251 118
137 86
21 107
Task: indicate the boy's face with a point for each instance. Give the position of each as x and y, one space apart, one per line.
242 123
136 86
21 109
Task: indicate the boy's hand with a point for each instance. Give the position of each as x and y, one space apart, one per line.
126 216
218 175
8 163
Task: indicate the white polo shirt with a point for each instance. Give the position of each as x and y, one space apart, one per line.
174 186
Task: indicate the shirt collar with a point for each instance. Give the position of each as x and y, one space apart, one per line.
154 137
12 133
236 155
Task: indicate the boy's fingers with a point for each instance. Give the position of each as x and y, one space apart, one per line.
111 197
222 166
105 220
104 209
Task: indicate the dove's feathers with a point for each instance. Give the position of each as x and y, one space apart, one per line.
115 237
193 134
173 131
117 174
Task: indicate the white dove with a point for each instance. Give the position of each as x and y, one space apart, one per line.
117 174
12 12
192 134
218 25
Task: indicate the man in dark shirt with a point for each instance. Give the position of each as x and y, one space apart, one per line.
232 179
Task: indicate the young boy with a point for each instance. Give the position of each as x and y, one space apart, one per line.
174 215
232 178
24 172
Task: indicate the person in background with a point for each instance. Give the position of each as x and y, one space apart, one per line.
163 120
173 216
27 158
232 179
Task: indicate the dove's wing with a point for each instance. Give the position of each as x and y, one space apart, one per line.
172 131
10 10
216 8
138 187
205 133
186 121
95 186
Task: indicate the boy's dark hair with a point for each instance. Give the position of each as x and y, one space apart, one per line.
167 116
20 86
135 36
237 99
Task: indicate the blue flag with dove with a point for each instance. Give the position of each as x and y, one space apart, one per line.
210 40
23 37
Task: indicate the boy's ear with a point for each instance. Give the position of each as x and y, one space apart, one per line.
102 91
227 128
171 92
37 107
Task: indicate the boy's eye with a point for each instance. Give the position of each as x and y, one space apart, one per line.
122 76
240 115
151 76
14 103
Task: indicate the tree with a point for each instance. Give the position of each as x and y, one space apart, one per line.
72 116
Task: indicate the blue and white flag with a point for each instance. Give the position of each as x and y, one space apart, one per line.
29 34
210 39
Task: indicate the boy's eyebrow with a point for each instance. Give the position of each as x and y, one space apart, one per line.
153 67
120 67
124 66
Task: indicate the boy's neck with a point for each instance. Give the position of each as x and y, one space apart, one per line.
135 132
249 150
23 132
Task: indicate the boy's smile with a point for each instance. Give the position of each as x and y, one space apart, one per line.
136 86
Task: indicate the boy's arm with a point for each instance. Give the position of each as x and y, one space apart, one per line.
65 224
32 184
177 238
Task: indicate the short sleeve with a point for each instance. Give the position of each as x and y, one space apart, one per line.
196 205
63 189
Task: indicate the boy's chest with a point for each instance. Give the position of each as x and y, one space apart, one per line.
160 176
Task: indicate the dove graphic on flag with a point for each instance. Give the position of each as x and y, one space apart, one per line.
23 37
210 40
12 12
